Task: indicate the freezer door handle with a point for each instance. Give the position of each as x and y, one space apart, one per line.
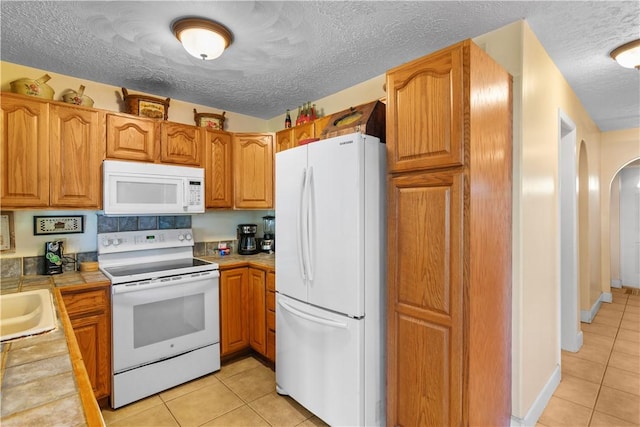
300 223
310 317
310 224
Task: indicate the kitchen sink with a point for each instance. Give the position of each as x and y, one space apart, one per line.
26 313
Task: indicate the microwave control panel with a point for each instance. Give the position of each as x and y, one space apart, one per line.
195 193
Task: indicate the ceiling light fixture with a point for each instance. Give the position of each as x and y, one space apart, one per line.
201 37
628 55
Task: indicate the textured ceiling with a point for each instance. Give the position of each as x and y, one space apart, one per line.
287 52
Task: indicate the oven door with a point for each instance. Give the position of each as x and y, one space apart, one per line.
163 320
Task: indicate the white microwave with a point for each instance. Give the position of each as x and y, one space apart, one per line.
134 188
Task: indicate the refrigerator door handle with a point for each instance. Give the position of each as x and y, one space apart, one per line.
300 223
311 224
310 317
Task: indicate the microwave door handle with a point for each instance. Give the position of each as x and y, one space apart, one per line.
185 195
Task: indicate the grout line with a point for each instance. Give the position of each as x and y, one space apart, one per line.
606 367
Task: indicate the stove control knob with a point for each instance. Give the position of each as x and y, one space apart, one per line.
188 236
116 242
106 242
181 237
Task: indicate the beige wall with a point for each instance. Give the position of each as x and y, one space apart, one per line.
618 149
540 91
107 97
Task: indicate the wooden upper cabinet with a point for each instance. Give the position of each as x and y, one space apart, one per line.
180 144
130 138
76 153
425 112
284 140
218 173
24 152
304 131
253 170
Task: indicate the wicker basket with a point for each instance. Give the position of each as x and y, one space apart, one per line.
31 87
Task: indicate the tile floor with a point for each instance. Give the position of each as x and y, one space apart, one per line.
600 384
242 393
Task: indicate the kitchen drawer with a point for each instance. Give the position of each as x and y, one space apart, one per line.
80 302
271 320
271 345
271 301
271 281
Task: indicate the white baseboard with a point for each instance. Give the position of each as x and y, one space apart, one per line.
616 283
541 401
587 316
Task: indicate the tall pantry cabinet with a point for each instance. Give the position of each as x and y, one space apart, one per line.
449 234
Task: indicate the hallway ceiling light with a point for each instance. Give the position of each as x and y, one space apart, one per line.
628 55
201 37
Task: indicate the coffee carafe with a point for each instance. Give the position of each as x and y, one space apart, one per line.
247 238
269 229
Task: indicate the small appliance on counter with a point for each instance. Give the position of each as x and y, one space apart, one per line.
247 238
269 239
53 257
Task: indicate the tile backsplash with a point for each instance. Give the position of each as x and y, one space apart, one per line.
11 268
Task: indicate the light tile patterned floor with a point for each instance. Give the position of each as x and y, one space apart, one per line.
601 383
242 393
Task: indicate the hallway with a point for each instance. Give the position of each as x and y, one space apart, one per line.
600 384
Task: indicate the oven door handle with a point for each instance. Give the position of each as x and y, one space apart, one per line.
162 283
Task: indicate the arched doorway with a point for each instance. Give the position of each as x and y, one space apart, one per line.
625 227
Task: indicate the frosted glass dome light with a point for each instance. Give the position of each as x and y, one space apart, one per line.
628 55
202 38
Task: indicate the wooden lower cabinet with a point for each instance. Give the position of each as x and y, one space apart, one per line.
234 310
89 310
247 311
257 311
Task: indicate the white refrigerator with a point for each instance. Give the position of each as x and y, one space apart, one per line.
330 270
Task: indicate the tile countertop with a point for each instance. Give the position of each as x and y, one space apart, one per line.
42 376
260 260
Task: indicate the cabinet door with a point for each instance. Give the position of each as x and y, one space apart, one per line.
301 132
129 138
283 140
91 333
253 170
180 144
77 148
424 301
234 313
425 112
257 310
24 152
218 173
89 311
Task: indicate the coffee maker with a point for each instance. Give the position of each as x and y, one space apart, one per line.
53 257
247 239
269 239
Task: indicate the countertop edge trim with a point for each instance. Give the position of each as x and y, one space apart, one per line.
92 413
